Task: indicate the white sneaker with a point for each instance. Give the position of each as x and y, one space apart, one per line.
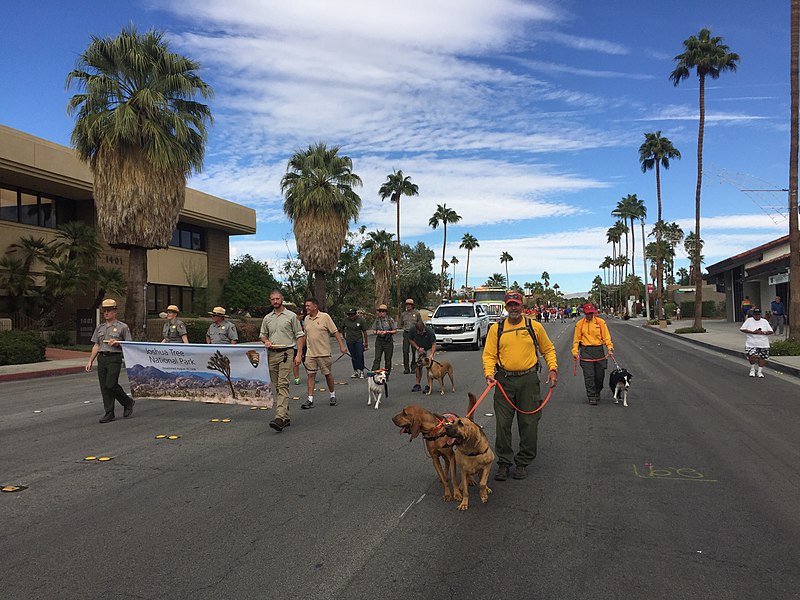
760 374
752 372
354 375
361 374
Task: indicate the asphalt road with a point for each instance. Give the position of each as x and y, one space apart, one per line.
691 492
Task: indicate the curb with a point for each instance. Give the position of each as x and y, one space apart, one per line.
43 373
780 368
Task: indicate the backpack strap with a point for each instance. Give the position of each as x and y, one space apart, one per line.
529 327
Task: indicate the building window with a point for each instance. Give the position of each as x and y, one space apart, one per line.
188 236
33 208
160 296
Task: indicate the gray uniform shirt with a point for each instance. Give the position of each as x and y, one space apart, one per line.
116 330
224 333
282 329
409 318
174 331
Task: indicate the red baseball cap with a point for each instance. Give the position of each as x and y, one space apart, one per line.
589 308
514 297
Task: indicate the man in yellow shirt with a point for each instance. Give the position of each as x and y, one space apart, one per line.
510 358
591 334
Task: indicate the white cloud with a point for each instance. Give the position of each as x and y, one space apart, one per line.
685 113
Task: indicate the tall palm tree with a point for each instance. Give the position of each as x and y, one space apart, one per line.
654 153
141 132
683 275
443 216
468 242
691 244
546 279
379 251
320 202
556 287
616 232
396 186
496 280
794 230
505 257
708 57
628 209
453 263
642 219
673 235
612 237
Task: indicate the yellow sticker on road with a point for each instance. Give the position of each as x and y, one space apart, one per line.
90 458
226 420
105 458
173 437
160 437
215 420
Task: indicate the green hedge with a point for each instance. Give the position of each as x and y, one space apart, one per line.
709 309
196 330
690 330
21 347
785 348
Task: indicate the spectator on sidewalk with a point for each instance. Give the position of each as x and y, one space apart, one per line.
756 342
778 318
746 306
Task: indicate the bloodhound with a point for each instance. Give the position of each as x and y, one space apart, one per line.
473 454
414 420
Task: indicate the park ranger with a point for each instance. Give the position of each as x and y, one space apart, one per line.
407 321
221 331
174 331
106 349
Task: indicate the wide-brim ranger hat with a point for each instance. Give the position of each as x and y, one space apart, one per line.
351 311
383 307
410 301
217 311
589 309
109 303
172 308
513 297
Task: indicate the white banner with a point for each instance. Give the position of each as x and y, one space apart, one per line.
219 373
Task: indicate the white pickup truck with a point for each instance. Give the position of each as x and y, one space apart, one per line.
460 323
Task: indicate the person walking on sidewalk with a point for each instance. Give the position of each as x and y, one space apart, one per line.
778 311
106 349
280 334
384 328
174 331
510 358
756 342
319 328
408 320
588 342
355 336
422 340
746 306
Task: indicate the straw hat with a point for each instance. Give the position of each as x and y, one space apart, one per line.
383 307
109 303
218 311
410 301
173 308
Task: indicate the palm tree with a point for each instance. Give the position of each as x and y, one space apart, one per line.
469 243
505 257
629 207
656 152
395 186
496 281
683 274
613 237
453 263
108 281
444 216
794 230
320 202
546 279
556 287
691 244
141 132
673 235
709 57
378 248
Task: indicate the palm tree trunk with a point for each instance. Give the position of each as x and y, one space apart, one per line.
507 283
794 231
698 286
444 249
397 266
320 289
659 266
633 248
135 314
644 270
466 274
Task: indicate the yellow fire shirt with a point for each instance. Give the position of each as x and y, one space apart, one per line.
516 350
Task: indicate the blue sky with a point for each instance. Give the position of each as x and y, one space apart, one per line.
524 117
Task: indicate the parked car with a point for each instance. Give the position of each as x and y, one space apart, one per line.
460 323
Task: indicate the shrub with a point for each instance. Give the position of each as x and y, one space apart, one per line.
656 322
690 330
248 330
709 309
21 347
60 337
669 308
196 330
785 348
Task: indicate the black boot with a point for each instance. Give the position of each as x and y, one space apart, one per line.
107 418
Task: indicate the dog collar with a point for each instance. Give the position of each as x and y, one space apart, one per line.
477 453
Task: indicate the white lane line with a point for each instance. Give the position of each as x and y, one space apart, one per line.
403 514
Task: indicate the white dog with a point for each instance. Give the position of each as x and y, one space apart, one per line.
377 388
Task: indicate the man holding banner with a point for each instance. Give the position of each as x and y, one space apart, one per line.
280 331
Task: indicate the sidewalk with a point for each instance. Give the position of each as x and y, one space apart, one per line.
724 337
58 362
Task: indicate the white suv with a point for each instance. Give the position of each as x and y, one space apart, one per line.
460 323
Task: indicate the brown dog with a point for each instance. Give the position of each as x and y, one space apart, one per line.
414 420
437 370
473 454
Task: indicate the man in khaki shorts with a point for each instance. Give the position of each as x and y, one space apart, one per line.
319 328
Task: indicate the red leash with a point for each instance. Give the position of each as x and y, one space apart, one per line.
497 383
576 359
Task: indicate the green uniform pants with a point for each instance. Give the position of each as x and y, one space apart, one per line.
523 391
594 373
108 368
280 368
408 354
383 347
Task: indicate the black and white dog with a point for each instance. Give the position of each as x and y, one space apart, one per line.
620 382
377 387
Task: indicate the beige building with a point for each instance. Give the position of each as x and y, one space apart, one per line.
43 184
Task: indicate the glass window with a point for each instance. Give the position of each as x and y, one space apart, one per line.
47 212
176 238
8 205
65 211
186 238
174 295
197 240
28 209
186 300
152 307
